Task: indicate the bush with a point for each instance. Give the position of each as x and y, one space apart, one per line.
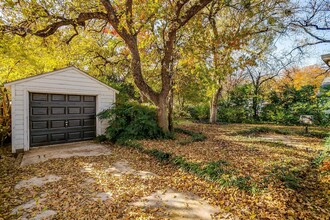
5 116
236 107
199 112
131 121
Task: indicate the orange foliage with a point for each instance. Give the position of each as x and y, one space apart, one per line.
298 77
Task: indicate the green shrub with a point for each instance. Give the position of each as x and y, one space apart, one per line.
131 121
199 112
323 155
242 182
159 155
187 166
262 130
101 138
289 177
215 169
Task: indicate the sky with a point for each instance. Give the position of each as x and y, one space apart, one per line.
311 55
289 41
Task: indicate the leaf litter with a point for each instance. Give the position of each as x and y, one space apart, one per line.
71 197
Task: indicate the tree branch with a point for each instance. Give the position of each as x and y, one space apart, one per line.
52 28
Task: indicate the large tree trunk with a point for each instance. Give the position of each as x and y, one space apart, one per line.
216 94
214 105
159 99
162 116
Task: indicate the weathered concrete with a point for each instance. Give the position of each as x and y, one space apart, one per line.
47 214
85 148
27 206
37 181
122 167
103 196
178 205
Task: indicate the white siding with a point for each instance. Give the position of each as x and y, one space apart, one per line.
66 81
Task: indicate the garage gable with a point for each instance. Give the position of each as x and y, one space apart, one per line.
64 75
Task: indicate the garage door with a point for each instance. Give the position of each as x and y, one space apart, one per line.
61 118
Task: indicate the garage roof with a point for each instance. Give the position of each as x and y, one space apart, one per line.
57 71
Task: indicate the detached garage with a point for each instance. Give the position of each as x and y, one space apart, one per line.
57 107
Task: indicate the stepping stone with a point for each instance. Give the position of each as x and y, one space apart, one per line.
89 180
122 167
27 206
178 205
37 181
103 196
47 214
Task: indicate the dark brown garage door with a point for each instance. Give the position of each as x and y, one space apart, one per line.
61 118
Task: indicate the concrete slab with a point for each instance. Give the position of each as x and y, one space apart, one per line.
178 205
103 196
82 149
46 214
122 167
28 205
37 181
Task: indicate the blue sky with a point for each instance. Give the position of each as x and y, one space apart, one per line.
312 54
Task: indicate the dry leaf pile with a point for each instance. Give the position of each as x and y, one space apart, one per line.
88 190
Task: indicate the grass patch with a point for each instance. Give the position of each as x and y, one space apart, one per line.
194 136
159 155
265 130
262 130
323 155
289 177
216 171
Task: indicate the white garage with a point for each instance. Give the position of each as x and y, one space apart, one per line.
58 107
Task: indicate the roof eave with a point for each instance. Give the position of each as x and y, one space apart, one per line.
326 59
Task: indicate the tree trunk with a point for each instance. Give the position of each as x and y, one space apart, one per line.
255 101
170 110
214 105
162 116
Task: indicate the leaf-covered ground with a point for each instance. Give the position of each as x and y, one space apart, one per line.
274 179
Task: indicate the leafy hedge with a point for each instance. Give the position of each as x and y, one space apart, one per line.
131 121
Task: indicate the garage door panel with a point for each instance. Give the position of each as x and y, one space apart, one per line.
89 122
60 118
40 111
89 98
74 110
57 137
39 138
58 110
56 97
74 98
39 97
74 135
39 124
89 110
89 134
74 123
58 124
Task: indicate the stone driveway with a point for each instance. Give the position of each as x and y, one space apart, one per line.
84 148
91 180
